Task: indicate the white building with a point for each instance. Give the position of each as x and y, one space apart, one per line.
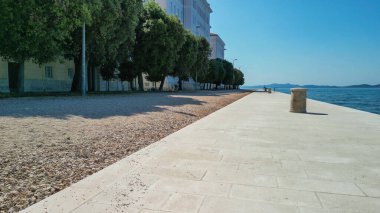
197 17
217 45
173 7
193 14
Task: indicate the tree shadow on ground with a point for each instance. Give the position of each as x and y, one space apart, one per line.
213 93
94 107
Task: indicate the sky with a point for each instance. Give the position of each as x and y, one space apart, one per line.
323 42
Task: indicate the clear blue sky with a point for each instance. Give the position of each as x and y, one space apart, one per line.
329 42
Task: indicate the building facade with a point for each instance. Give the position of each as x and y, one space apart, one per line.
193 14
118 85
217 45
197 17
173 7
31 77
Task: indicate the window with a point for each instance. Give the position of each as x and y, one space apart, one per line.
70 73
48 72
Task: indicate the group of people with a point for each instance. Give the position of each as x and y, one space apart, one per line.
266 89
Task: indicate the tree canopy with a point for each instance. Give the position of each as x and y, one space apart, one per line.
110 36
127 71
216 71
200 68
229 76
159 39
124 40
187 57
37 30
239 77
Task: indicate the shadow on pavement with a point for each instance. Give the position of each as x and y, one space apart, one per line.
314 113
94 107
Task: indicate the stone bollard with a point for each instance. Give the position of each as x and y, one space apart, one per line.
298 100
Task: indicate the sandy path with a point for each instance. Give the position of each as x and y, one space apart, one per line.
46 144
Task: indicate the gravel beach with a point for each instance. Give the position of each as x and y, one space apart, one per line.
48 143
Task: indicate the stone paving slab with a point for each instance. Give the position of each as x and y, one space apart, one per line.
251 156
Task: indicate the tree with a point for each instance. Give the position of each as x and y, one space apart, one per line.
239 78
229 77
73 45
107 71
159 39
200 68
187 58
216 72
128 72
36 30
110 35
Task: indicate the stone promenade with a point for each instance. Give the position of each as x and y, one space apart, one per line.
251 156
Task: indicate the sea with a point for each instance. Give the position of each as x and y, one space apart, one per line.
365 99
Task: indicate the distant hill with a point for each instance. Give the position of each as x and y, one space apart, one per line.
288 85
364 86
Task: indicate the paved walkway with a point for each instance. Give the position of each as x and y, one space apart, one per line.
252 156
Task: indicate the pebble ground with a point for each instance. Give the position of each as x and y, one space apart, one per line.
48 143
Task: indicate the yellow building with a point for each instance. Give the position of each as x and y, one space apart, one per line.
31 77
4 82
58 76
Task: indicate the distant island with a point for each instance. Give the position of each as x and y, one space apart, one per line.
312 86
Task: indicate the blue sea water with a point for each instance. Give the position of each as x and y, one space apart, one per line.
357 98
365 99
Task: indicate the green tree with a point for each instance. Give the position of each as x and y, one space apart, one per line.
187 58
73 45
239 78
216 72
200 68
37 30
128 72
229 77
159 39
107 71
110 36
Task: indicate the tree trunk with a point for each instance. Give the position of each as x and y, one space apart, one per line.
141 82
75 85
180 83
130 85
91 76
162 83
88 73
